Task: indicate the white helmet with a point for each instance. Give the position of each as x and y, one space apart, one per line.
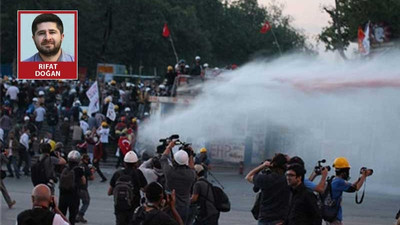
197 58
131 157
88 132
77 102
127 109
34 99
26 118
41 93
187 66
181 157
74 156
205 65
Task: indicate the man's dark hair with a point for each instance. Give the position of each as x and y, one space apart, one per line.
153 192
298 169
47 17
296 159
45 148
279 161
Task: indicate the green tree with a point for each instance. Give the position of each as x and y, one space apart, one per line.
348 15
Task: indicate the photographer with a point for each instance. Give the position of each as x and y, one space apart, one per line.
319 170
152 211
275 190
44 210
179 176
340 184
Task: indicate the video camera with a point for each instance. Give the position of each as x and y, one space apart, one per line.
370 171
319 167
185 146
165 142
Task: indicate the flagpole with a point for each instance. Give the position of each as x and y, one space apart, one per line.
173 47
276 41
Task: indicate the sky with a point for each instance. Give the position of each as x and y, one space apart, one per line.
307 14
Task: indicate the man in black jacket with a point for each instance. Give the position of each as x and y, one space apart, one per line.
44 210
303 208
274 189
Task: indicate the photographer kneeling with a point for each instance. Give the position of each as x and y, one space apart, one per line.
179 176
340 184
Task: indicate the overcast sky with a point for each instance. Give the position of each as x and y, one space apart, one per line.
307 14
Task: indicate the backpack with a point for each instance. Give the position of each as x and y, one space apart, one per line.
67 179
221 200
124 193
329 207
38 172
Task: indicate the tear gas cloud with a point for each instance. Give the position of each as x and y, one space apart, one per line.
312 108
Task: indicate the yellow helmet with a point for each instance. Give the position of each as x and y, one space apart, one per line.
113 82
341 163
202 150
170 68
116 107
103 124
53 145
52 89
134 120
84 111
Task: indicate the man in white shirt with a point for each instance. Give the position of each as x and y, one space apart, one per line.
104 132
13 91
39 113
23 152
44 210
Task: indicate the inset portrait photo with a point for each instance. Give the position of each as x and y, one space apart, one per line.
47 44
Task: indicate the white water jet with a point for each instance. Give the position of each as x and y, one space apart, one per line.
310 107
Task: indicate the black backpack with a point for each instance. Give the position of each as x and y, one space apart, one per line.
38 172
221 199
67 179
329 207
123 192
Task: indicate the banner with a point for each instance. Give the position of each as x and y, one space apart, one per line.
111 112
93 92
265 28
165 32
94 106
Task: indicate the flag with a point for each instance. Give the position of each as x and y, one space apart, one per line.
93 96
363 40
165 31
265 28
111 112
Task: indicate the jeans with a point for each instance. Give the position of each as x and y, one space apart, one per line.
84 196
12 160
183 211
5 193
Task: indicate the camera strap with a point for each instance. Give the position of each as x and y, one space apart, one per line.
362 195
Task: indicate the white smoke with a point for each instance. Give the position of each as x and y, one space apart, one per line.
311 107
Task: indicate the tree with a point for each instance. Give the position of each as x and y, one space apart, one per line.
348 15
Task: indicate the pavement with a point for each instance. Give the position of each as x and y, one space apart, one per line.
377 209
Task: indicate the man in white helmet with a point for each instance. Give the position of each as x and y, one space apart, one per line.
179 176
125 186
197 68
71 178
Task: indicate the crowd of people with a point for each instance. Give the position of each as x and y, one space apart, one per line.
45 120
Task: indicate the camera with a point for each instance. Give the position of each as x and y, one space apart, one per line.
185 146
166 141
319 167
369 171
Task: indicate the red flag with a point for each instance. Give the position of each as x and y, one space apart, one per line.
265 28
165 31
